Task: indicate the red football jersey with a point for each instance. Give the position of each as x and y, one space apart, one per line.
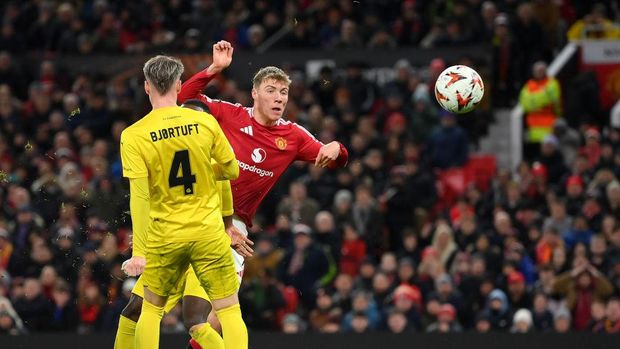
263 152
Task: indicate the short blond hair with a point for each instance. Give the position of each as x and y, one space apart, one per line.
268 73
163 72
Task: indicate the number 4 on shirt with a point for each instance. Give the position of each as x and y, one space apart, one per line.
187 179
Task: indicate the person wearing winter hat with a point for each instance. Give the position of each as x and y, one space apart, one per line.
569 140
552 158
522 321
498 310
446 321
518 295
292 323
562 320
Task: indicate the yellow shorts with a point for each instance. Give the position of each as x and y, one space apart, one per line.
211 260
188 285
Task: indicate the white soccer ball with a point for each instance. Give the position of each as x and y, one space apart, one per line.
459 89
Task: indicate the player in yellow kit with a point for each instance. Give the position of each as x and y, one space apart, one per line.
175 208
196 303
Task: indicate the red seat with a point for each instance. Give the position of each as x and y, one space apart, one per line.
451 183
481 170
291 298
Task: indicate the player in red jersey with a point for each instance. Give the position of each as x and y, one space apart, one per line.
264 143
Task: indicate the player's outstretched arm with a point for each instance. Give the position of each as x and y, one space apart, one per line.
331 155
192 88
222 57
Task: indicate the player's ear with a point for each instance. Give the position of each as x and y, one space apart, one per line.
254 93
178 86
147 87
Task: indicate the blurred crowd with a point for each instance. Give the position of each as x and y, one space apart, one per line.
372 247
85 26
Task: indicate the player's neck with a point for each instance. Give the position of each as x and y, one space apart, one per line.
165 101
263 120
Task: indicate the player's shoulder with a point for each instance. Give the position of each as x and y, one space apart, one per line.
132 129
236 110
205 118
135 130
284 125
299 129
223 102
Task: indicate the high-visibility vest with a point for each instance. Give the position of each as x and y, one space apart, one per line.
541 102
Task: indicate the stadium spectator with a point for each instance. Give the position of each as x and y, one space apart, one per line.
32 306
292 324
297 206
65 313
530 39
408 302
324 313
447 146
541 316
518 295
595 25
344 285
505 76
580 287
265 260
568 140
497 310
446 321
352 252
10 322
562 320
397 322
364 315
482 324
598 314
304 264
522 321
552 158
611 323
261 300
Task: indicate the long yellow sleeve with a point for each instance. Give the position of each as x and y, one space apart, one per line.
227 171
139 206
223 155
226 197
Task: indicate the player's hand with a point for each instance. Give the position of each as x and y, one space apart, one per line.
329 152
240 242
222 56
134 266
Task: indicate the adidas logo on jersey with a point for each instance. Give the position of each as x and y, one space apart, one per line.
247 130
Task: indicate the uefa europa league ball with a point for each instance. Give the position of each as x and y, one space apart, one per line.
459 89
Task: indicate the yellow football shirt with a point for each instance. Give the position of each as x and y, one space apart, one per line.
174 147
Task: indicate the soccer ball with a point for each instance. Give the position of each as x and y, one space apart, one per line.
459 89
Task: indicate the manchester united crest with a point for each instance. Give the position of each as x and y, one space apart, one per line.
281 143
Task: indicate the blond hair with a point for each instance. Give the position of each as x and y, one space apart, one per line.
163 72
268 73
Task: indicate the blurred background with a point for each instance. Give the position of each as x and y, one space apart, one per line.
506 219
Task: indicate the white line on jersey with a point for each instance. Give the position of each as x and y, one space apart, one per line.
247 130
